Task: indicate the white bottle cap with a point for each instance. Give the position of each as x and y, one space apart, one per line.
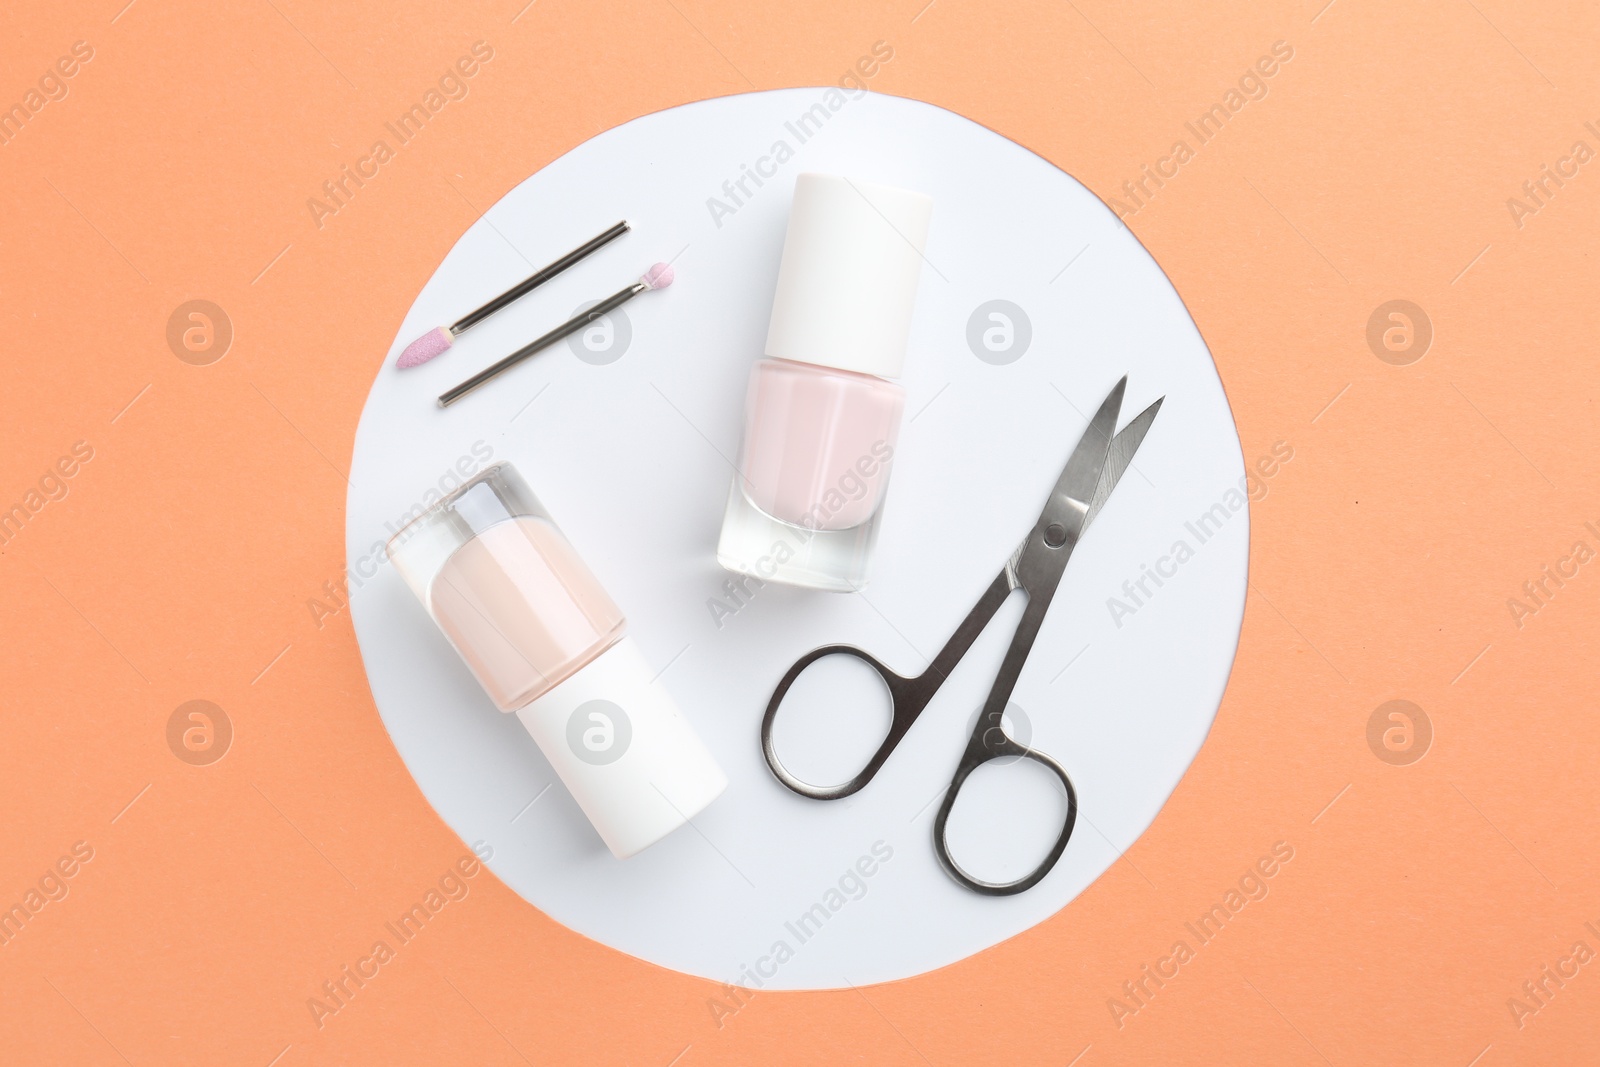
617 741
848 279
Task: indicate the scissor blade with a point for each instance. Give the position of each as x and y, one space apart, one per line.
1123 446
1069 503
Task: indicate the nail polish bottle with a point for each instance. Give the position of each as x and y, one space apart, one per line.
547 642
822 412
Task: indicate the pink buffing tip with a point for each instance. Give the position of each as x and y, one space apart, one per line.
659 276
425 348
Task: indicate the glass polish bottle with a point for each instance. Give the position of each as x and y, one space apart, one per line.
822 411
546 641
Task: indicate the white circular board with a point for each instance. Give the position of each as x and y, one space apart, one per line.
631 450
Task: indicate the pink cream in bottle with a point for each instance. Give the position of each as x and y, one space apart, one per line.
822 413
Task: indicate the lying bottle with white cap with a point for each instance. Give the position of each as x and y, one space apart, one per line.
548 643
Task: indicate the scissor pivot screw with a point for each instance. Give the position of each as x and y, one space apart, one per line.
1055 535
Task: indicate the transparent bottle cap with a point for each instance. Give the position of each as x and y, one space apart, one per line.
421 547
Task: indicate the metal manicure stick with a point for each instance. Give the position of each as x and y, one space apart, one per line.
1091 473
536 279
657 277
439 340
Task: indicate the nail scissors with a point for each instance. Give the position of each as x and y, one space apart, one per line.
1036 567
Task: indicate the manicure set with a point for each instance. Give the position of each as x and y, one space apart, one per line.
547 643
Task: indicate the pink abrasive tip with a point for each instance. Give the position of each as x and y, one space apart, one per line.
424 348
659 276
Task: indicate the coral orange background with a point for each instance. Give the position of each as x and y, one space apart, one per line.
1419 501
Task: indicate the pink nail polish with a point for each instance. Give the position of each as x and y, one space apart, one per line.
822 414
547 642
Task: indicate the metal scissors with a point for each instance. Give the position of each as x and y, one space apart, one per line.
1036 567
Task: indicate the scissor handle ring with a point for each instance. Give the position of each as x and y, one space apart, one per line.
900 721
994 748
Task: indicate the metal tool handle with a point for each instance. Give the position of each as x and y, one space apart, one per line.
903 712
907 696
986 746
566 329
989 740
537 278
